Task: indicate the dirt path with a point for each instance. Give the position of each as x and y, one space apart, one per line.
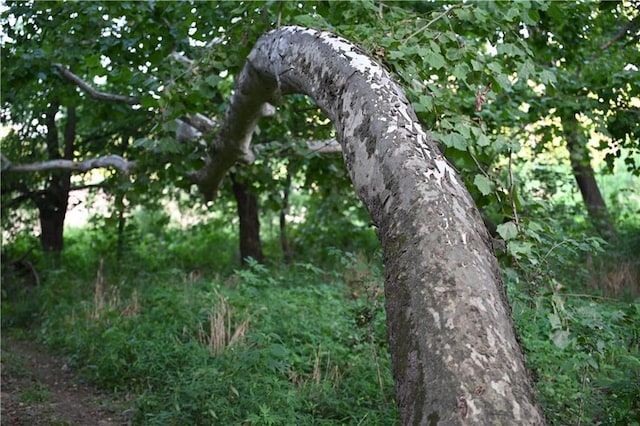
39 389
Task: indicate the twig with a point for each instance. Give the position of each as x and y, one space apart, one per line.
590 296
512 191
428 24
630 26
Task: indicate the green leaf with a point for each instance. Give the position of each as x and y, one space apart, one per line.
507 231
483 184
526 70
510 49
434 59
547 77
454 140
426 102
554 320
483 140
561 338
495 67
461 70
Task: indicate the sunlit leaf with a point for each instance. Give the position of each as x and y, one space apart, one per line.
483 184
507 230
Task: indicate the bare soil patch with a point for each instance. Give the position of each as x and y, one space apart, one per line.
40 389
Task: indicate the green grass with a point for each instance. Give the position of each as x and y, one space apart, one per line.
39 393
198 343
262 345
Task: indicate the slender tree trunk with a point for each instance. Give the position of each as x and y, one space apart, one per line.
585 177
455 356
247 203
122 223
284 239
120 206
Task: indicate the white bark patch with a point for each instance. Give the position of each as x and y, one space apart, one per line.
478 302
478 359
440 172
499 387
516 409
491 340
449 324
436 317
360 61
475 411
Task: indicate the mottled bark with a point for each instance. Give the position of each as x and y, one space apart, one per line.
455 356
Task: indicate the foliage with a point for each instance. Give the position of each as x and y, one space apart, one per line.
584 353
581 343
302 353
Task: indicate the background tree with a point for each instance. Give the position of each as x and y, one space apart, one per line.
593 54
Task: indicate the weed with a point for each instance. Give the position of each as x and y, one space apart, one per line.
39 393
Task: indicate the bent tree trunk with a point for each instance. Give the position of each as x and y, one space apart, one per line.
455 356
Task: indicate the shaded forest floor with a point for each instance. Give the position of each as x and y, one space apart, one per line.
40 389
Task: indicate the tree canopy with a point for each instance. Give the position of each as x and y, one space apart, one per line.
487 78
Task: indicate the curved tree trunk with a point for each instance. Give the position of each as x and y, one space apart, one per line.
455 356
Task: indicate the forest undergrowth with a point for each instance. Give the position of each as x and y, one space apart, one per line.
191 341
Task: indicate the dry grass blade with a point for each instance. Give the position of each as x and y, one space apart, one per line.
223 330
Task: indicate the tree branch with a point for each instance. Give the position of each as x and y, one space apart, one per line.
201 123
114 161
96 94
329 146
623 31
